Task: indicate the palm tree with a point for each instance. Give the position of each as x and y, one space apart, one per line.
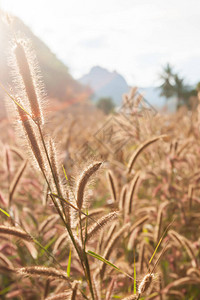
173 85
198 90
167 84
180 90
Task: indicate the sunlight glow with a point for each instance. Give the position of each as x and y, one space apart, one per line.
133 37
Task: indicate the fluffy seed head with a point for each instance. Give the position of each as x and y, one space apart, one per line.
100 224
54 165
146 281
28 78
34 144
112 184
37 271
129 200
84 178
122 198
15 231
140 149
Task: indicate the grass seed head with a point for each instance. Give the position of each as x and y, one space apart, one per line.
37 271
84 178
15 232
145 283
28 79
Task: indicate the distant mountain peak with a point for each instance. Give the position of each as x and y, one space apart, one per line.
100 71
105 83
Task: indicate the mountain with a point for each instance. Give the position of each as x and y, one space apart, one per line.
105 84
58 82
113 85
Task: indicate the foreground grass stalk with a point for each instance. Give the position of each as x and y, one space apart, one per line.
89 275
83 258
49 162
86 268
86 258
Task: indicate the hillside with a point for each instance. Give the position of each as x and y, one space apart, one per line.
59 83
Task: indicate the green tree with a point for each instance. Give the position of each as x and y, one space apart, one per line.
181 91
106 105
174 85
167 77
198 87
198 90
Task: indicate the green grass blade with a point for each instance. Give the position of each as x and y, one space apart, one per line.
160 242
48 245
13 99
64 171
69 263
4 291
102 259
134 283
47 252
97 256
68 182
4 212
74 207
63 199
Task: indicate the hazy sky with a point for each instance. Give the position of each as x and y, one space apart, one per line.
134 37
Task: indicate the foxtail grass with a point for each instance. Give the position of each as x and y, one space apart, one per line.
113 186
100 224
139 150
82 181
37 271
14 231
28 78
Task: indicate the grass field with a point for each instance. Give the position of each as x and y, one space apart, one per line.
95 206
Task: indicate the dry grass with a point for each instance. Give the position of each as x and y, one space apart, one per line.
47 226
